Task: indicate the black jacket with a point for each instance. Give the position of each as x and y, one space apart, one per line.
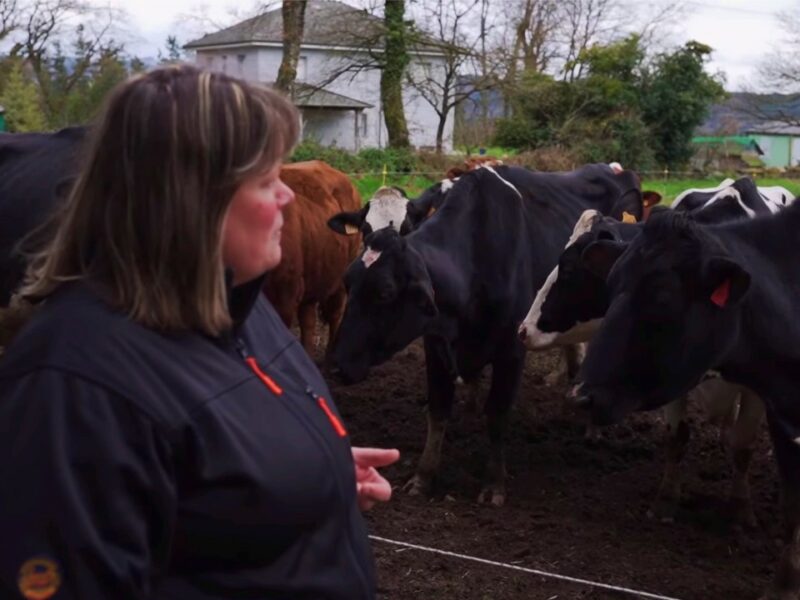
141 465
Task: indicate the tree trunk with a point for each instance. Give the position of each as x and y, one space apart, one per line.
293 23
396 61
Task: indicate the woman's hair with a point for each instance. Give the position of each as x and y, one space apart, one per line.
161 167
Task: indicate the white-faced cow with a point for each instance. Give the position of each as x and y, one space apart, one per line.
463 280
391 207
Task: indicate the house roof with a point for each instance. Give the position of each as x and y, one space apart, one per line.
774 128
307 96
326 23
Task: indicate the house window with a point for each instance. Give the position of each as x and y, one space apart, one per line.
302 68
364 124
209 58
224 63
240 58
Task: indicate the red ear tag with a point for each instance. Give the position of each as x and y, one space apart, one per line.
722 293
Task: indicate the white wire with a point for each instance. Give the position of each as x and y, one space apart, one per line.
523 569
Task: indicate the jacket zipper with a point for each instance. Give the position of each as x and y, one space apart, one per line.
241 348
277 390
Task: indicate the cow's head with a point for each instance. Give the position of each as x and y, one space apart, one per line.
386 208
390 207
675 300
390 303
568 307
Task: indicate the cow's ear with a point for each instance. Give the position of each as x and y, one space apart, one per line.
348 223
726 282
630 207
600 256
422 295
650 198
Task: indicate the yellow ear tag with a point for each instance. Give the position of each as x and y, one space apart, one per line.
628 217
431 211
350 229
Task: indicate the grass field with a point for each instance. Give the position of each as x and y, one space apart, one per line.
669 189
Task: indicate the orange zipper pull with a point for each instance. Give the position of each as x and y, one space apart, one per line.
337 424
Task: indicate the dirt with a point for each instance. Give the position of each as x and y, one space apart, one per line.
575 507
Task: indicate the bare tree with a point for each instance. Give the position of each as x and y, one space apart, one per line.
780 69
443 88
293 25
9 17
42 33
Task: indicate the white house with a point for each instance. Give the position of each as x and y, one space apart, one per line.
344 111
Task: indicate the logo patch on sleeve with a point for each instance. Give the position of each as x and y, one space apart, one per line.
38 578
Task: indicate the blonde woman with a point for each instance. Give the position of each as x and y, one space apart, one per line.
164 434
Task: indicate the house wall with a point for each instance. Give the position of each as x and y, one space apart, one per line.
262 64
330 127
238 62
776 149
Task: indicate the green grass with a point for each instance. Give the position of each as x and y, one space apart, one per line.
671 188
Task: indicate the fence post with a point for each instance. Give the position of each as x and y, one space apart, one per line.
384 175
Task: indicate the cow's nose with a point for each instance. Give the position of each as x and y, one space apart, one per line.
523 333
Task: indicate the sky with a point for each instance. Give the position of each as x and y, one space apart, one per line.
741 32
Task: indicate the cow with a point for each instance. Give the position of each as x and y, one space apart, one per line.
37 171
463 280
570 306
309 276
391 207
687 298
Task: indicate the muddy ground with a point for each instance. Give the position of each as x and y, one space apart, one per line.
575 507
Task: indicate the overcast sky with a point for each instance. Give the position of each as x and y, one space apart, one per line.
739 31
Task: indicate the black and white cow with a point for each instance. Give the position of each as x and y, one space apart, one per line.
463 280
390 207
35 170
569 309
686 298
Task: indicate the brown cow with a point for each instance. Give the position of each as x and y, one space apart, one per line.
314 257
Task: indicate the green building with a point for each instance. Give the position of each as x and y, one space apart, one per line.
780 143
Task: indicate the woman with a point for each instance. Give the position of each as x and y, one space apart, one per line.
165 436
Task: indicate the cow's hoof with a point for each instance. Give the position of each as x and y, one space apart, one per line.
417 486
492 494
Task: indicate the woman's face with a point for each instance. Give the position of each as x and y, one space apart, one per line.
251 231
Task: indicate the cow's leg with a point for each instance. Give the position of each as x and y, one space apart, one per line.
743 438
677 438
506 375
784 434
573 356
440 403
307 316
332 312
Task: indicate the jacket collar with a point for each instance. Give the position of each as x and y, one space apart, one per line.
243 297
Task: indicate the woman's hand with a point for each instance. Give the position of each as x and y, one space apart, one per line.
371 487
